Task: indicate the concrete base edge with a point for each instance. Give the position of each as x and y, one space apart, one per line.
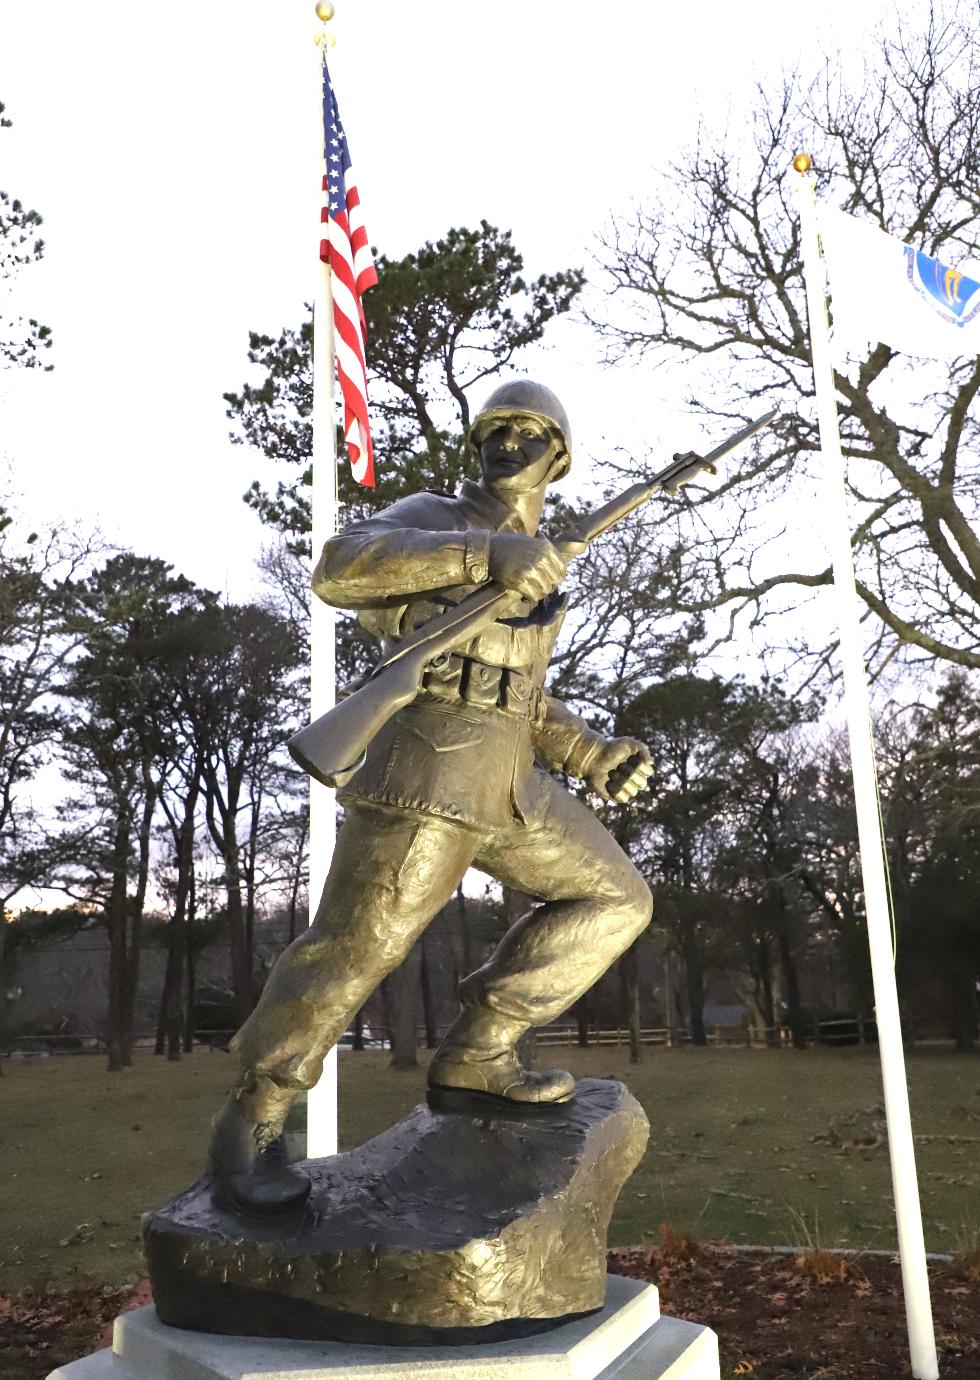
627 1340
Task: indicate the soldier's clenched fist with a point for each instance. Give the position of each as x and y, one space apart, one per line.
528 565
621 769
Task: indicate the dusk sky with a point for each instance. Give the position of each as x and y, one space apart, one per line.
173 154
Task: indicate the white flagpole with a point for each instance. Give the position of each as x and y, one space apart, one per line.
908 1213
321 1102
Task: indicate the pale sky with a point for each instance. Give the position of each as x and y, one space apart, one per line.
173 152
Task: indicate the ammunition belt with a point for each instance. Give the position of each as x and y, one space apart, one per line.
454 678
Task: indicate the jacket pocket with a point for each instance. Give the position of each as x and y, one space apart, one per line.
449 736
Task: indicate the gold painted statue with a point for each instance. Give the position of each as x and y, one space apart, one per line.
459 776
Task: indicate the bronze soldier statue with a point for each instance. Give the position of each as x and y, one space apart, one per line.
458 777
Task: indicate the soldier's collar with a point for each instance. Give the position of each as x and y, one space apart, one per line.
487 511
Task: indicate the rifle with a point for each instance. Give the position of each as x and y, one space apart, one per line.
334 746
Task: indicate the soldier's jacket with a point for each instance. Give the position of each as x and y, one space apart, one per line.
465 749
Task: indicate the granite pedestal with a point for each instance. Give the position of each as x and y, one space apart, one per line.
627 1339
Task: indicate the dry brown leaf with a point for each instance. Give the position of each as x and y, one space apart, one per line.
822 1266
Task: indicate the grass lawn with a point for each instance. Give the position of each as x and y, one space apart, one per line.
766 1147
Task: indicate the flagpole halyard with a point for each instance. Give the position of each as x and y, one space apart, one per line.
321 1103
908 1213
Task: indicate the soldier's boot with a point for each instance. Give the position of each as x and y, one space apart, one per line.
476 1067
247 1153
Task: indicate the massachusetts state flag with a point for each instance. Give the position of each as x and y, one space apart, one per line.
345 248
883 290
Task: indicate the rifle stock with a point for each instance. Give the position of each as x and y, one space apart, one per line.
333 747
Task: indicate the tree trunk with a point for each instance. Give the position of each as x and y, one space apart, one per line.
669 996
787 962
116 924
222 817
175 1008
137 906
175 1035
172 994
694 973
358 1030
428 1003
173 1005
117 969
189 1031
387 1010
464 931
516 904
241 975
693 962
3 983
297 879
764 993
251 852
582 1012
403 994
169 976
629 995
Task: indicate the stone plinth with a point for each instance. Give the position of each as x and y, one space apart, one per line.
627 1339
448 1228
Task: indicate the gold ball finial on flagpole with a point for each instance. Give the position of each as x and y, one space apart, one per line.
802 162
325 11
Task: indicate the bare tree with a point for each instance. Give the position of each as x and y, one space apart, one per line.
245 706
709 271
180 795
112 746
931 767
21 341
38 638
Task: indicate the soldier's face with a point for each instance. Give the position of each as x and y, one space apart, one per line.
518 455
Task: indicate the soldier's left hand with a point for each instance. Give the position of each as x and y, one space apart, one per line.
623 769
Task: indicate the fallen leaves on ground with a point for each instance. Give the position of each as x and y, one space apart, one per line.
775 1320
41 1330
812 1316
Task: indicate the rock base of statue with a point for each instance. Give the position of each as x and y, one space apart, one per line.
450 1228
627 1339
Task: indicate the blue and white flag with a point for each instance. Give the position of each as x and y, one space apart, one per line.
883 290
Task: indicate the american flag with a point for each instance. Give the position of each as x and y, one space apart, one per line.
348 253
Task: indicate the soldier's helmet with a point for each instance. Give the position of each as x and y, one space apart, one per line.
523 397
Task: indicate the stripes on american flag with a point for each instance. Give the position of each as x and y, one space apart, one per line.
347 251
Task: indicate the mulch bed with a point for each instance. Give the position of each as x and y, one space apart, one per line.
40 1330
812 1316
817 1316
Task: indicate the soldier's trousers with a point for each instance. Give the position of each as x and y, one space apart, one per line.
392 872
